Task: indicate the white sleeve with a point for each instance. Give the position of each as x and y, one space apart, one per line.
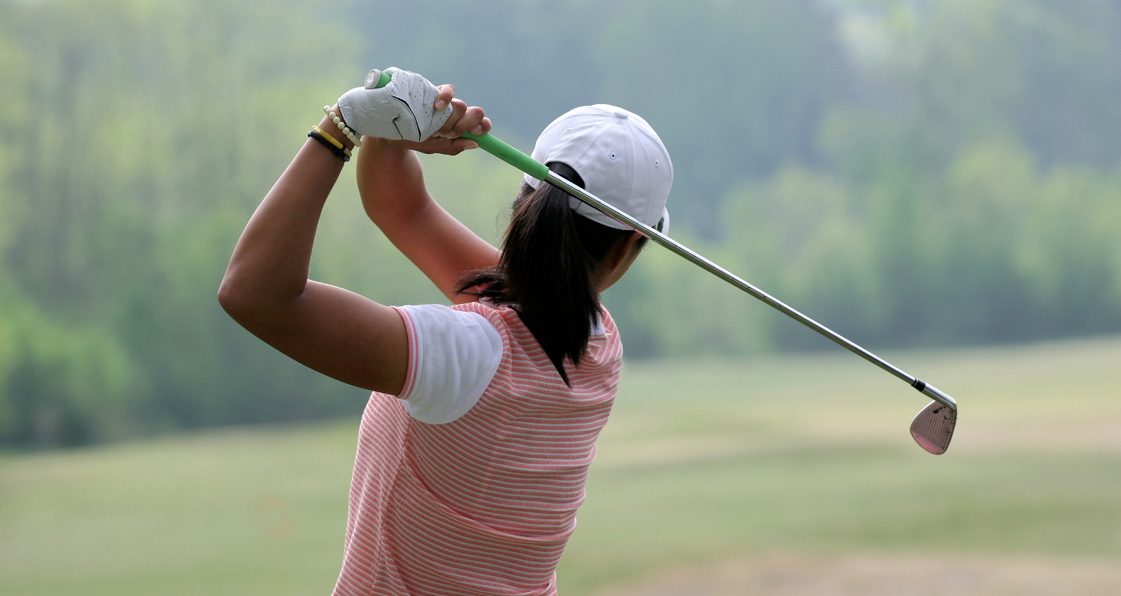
453 356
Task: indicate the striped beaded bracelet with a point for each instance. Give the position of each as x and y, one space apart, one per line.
331 139
330 143
342 126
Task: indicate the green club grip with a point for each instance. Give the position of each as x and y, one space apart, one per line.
510 155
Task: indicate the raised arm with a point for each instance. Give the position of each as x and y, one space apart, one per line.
391 184
266 287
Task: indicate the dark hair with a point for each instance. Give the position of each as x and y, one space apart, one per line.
546 273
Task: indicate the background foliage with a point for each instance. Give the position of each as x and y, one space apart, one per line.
907 172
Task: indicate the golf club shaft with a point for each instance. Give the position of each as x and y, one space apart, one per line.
523 162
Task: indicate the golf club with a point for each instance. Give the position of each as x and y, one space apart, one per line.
932 428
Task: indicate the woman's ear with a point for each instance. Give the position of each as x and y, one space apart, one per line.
619 259
623 249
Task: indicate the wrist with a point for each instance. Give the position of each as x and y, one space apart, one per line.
328 125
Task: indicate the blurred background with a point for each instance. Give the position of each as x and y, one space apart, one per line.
939 180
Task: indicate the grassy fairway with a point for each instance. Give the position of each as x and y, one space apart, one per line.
703 461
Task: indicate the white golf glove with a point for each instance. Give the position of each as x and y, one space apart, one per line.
402 110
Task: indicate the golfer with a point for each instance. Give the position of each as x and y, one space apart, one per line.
474 447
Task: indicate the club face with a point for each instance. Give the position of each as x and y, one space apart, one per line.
934 427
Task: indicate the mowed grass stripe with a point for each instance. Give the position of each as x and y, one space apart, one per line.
639 521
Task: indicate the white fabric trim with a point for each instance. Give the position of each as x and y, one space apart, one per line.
456 356
597 327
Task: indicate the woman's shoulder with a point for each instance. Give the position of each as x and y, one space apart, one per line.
499 315
600 365
505 319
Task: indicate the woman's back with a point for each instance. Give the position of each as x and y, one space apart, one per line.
483 504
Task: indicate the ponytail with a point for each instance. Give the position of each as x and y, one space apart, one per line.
550 256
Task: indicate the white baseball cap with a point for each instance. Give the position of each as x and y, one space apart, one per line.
619 157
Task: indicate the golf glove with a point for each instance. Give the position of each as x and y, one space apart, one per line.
401 110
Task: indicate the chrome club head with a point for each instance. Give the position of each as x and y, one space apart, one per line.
934 427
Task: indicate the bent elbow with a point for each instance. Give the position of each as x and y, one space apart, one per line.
232 298
250 305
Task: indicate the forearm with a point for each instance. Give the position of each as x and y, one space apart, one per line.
390 183
270 263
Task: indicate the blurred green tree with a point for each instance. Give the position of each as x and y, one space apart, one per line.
905 171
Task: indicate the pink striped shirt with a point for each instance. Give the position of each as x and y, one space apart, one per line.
484 504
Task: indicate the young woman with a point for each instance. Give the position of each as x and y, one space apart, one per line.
474 446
